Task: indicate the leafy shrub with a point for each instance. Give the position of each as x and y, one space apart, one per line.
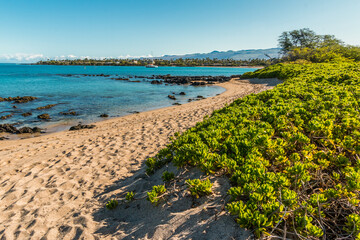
291 153
198 188
156 194
167 176
130 196
112 204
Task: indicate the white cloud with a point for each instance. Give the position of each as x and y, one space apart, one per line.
129 56
21 57
31 58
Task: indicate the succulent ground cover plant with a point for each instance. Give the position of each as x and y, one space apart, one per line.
112 204
156 195
198 188
292 153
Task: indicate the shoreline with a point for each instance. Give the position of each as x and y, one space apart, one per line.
55 185
61 126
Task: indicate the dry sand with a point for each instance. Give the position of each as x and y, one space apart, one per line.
55 186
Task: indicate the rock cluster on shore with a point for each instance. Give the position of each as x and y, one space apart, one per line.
10 128
81 126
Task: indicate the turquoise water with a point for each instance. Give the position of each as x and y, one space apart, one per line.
91 96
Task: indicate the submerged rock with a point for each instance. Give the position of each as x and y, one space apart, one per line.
182 93
104 115
44 116
46 107
68 113
18 99
81 126
172 97
156 82
6 116
26 114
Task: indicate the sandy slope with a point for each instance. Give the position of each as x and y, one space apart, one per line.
55 186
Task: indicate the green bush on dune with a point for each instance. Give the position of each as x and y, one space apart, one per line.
291 153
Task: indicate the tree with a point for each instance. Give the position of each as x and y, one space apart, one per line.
305 38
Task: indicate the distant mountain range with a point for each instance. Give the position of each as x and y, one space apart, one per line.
236 55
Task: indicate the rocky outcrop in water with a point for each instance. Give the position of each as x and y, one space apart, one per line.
6 116
44 116
121 79
18 99
104 115
26 114
68 113
156 82
193 80
172 97
81 126
182 93
46 107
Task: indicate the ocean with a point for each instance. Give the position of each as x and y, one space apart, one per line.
91 96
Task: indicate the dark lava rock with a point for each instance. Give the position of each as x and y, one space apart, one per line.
26 114
182 93
3 138
135 81
189 100
46 107
172 97
235 76
28 130
44 116
135 112
81 126
68 113
14 106
8 128
193 80
198 83
18 99
104 115
6 116
156 82
176 103
201 97
121 79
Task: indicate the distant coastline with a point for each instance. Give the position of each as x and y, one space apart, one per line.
186 62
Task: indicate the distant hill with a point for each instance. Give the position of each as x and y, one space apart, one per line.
236 55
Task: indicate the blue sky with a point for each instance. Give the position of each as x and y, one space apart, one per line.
33 29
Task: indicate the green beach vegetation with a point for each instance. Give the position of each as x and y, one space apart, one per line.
291 153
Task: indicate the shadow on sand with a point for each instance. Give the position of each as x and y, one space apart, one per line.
179 216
